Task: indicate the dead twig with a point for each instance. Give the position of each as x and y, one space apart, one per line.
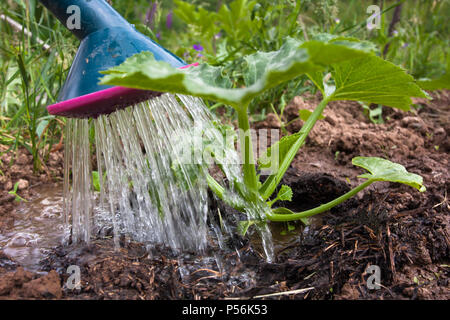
298 291
391 253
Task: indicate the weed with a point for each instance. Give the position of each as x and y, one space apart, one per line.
14 193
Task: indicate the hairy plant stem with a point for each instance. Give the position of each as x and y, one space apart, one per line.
284 214
272 182
245 138
215 186
220 193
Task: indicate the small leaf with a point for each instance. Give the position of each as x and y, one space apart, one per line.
285 193
305 113
384 170
290 226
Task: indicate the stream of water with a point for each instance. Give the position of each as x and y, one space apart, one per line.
149 191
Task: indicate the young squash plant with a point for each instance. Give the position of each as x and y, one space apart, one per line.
341 68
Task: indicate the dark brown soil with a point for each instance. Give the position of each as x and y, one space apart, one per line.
403 232
21 284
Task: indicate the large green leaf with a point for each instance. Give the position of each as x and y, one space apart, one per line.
343 46
384 170
142 71
265 70
342 49
373 80
359 74
323 51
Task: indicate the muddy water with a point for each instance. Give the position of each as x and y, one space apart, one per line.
286 239
38 227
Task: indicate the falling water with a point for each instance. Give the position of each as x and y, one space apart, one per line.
151 174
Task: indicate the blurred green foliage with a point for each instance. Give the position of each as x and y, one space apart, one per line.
220 32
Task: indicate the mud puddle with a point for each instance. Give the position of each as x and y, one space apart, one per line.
38 227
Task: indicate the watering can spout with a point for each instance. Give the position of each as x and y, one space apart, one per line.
107 40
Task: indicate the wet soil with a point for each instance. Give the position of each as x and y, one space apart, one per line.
403 232
17 167
15 281
38 226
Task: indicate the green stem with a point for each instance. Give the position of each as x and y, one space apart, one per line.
215 186
247 150
220 192
283 126
288 123
272 182
284 214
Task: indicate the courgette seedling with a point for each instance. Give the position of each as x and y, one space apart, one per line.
341 68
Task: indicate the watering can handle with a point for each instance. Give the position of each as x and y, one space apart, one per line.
107 40
83 17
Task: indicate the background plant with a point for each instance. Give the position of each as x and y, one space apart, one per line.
34 56
31 75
